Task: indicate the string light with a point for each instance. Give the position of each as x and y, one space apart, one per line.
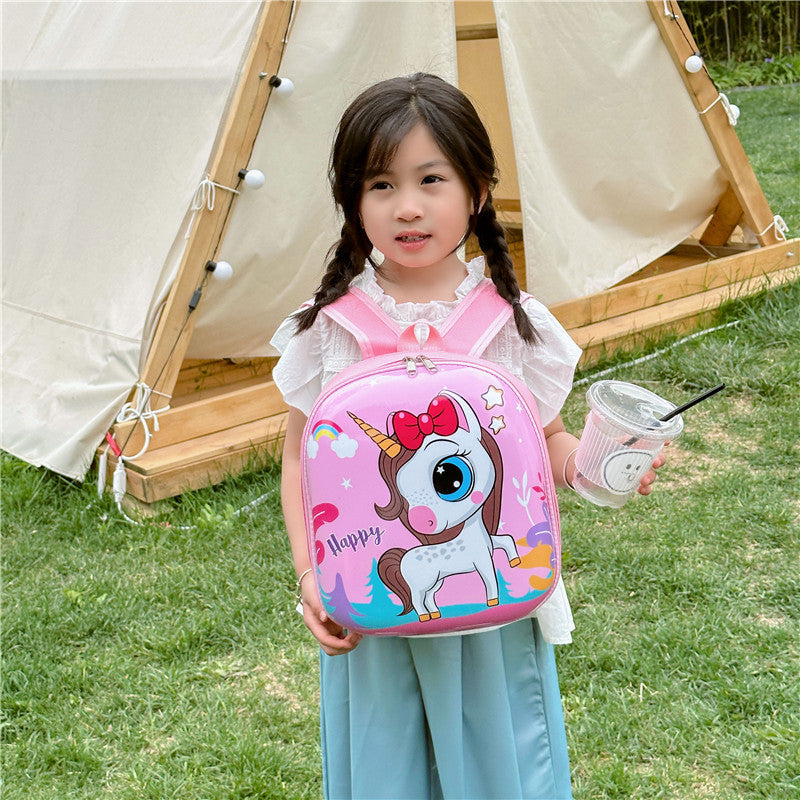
694 63
282 86
253 178
221 270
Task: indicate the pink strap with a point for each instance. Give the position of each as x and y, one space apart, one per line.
468 329
476 321
374 330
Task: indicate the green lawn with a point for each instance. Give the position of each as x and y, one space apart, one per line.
159 662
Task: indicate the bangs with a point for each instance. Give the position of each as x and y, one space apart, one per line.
386 139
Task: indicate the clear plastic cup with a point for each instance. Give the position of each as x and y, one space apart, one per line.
621 438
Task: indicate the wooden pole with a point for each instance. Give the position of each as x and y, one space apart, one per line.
724 221
232 153
680 43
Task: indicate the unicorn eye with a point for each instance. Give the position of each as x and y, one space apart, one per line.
453 478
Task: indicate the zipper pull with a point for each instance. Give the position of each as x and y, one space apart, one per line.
411 366
428 364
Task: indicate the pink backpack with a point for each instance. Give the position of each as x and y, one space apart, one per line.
427 489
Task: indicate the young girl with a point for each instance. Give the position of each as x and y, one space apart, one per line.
467 716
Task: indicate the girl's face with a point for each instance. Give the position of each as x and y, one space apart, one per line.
417 212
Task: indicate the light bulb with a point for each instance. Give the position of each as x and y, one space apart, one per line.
694 63
221 270
253 178
282 86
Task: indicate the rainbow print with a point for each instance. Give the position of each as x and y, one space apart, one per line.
327 428
340 443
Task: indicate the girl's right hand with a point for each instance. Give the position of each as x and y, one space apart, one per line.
331 636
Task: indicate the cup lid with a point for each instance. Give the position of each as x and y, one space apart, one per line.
635 408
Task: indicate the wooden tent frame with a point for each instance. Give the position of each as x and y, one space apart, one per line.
224 416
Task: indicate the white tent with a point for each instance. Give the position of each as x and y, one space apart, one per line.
114 113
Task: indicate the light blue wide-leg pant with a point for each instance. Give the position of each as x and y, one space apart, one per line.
474 717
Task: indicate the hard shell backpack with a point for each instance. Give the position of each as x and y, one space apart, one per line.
428 495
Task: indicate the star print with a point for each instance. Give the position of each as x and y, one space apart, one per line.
519 407
497 424
346 483
493 397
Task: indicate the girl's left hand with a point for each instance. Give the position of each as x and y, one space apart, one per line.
648 479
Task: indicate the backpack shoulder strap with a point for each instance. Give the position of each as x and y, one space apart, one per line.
374 330
468 329
476 320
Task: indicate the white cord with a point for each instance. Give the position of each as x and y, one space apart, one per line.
726 104
238 512
594 376
204 197
139 409
706 250
206 194
781 228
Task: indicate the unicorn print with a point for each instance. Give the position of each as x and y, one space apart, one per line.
444 482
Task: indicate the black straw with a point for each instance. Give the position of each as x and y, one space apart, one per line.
680 409
693 402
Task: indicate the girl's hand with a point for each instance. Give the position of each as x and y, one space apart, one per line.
646 484
330 635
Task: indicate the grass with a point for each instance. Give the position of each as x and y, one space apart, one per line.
769 127
682 680
156 661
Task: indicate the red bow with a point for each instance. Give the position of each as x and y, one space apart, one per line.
441 418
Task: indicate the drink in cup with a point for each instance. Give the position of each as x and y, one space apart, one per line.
622 436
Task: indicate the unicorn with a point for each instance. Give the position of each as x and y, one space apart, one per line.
445 485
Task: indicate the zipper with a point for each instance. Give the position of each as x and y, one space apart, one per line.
411 366
411 363
427 363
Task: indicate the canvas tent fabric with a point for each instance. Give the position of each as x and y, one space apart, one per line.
278 236
615 167
111 111
118 105
109 114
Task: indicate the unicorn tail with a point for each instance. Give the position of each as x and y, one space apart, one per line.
389 572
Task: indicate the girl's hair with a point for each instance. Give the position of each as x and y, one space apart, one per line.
367 139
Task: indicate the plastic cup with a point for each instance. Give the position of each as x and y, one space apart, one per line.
621 438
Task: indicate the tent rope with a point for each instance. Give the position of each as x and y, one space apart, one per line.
138 410
206 193
655 354
236 513
781 228
726 104
205 196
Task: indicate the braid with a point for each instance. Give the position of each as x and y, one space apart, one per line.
492 241
349 254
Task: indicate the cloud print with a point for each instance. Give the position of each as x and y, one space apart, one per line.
312 448
344 446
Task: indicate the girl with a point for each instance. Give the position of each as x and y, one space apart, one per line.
467 716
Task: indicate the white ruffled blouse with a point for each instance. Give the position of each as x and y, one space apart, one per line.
310 359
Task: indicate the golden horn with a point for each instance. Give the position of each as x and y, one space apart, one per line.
389 446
